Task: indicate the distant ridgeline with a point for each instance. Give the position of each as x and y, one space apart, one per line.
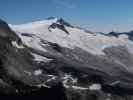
116 34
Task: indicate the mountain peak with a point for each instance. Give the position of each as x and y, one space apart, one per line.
3 25
60 20
52 17
63 22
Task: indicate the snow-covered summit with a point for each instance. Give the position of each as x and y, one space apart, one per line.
35 24
55 29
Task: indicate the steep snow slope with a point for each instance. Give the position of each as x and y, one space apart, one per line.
93 43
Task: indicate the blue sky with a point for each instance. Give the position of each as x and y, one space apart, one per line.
96 15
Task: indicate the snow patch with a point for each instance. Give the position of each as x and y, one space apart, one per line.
79 88
15 44
95 87
70 82
42 85
68 78
38 72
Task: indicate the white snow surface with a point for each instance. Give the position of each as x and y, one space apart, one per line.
38 72
92 43
79 88
95 87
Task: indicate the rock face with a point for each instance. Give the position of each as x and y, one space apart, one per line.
6 32
35 61
129 34
60 26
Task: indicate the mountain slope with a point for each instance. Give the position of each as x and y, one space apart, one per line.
45 53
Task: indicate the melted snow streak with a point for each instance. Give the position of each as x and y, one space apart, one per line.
93 43
39 58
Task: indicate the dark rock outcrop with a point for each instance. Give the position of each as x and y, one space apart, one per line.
6 32
116 34
63 22
60 26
